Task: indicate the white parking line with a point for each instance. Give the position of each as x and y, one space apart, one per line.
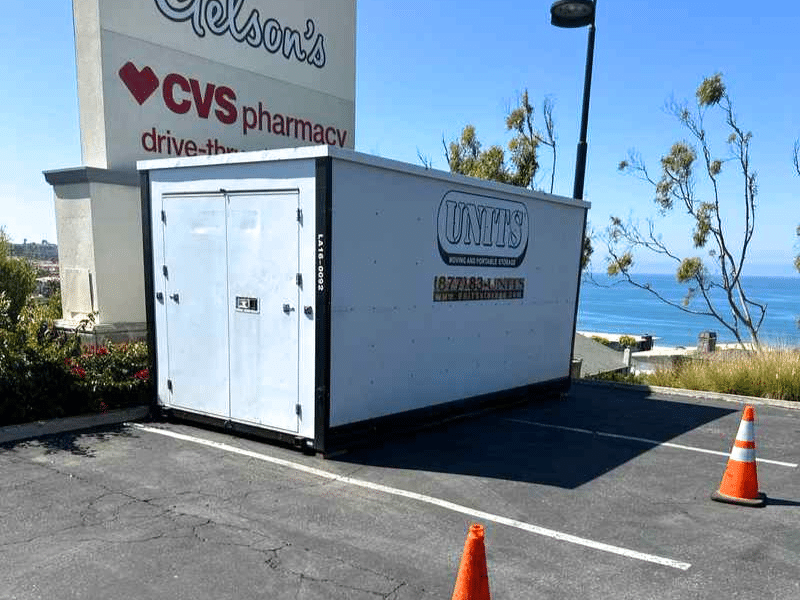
478 514
644 441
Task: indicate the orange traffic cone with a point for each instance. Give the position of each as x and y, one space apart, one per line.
472 582
740 481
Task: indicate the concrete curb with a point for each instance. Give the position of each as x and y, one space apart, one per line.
698 394
25 431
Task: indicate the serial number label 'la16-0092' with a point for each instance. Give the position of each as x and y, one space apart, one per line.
460 289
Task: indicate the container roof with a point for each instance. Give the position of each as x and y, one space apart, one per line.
345 154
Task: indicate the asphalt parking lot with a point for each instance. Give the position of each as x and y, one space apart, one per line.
604 494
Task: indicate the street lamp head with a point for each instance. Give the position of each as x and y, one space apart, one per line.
572 13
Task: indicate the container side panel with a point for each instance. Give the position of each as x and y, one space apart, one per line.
194 278
263 308
445 291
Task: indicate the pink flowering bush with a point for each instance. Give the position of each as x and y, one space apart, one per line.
111 376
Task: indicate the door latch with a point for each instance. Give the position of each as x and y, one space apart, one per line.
160 297
287 309
175 297
309 310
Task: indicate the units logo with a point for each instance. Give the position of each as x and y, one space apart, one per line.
482 231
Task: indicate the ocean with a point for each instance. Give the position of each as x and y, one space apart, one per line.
624 309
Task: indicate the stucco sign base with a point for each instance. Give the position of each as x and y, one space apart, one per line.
98 223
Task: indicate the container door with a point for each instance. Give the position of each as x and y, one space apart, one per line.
195 284
263 258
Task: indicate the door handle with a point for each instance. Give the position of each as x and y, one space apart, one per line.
160 297
287 309
175 297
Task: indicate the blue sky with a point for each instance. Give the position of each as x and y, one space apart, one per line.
425 69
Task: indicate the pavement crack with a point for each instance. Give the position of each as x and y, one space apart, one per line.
395 591
374 580
196 532
41 536
303 577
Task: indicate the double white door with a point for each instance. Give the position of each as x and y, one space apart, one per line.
231 302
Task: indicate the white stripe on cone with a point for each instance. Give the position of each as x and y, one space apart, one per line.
746 431
743 454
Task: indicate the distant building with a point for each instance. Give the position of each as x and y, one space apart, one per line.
36 252
44 258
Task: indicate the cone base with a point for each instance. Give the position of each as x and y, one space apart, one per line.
757 502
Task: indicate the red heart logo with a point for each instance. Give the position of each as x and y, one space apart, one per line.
141 84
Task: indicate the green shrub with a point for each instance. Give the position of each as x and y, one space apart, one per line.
618 377
17 282
601 340
627 341
45 373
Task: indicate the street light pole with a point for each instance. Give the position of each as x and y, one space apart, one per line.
580 159
579 13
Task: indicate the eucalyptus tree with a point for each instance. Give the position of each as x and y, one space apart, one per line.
721 253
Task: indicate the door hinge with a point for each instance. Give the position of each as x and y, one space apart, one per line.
164 217
300 216
164 270
169 384
299 279
298 410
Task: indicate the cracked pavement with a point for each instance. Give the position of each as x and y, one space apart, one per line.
127 514
81 523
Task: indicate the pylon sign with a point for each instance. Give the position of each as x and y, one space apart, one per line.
171 78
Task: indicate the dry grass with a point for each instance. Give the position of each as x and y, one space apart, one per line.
770 373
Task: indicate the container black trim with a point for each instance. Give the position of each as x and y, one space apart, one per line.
578 290
373 430
322 375
149 288
365 432
242 429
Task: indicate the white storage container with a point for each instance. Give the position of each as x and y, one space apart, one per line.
317 294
